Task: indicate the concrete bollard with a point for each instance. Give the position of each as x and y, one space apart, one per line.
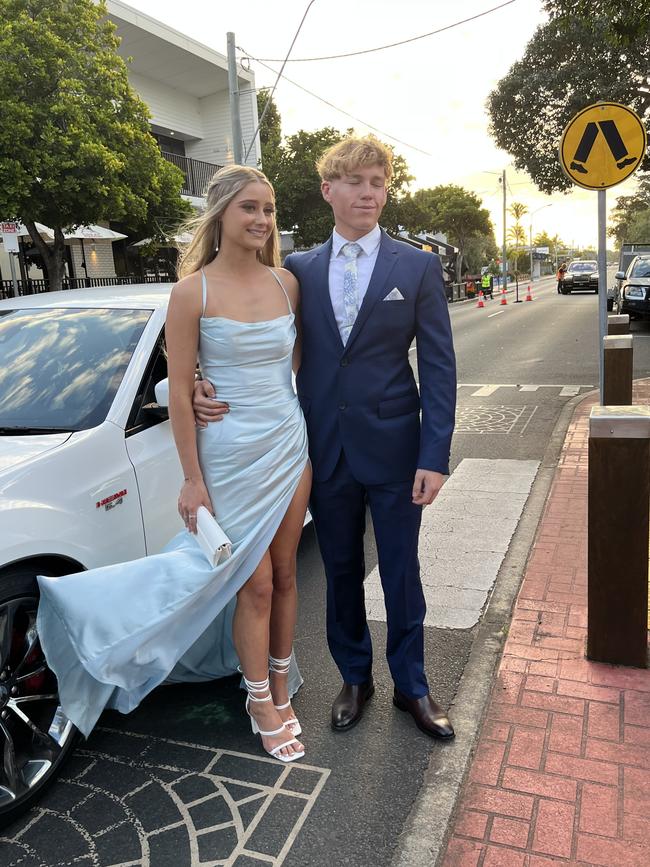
617 379
619 512
618 323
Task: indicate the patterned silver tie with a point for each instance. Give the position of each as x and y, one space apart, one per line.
351 252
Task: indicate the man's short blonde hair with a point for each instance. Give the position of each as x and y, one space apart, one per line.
351 153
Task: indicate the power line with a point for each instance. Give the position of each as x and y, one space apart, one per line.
279 76
392 44
336 107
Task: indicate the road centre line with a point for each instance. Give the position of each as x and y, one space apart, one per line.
490 315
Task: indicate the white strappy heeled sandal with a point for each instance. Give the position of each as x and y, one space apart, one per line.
281 666
263 686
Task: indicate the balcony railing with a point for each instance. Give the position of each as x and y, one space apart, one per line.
197 173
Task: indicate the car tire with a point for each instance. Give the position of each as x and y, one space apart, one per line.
34 755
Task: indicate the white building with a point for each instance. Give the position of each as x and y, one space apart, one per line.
185 86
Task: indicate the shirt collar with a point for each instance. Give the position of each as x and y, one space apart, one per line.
368 243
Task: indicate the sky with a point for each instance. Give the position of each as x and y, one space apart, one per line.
429 94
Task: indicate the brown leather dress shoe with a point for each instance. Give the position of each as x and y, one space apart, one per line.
429 717
349 704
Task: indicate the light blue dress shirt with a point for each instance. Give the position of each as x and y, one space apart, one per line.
365 263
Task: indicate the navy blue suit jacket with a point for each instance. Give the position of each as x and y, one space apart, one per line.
363 397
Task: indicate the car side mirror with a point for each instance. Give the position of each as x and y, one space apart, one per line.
620 275
154 411
161 391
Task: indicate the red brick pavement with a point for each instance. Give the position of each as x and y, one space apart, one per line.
561 773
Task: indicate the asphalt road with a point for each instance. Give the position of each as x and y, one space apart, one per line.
181 781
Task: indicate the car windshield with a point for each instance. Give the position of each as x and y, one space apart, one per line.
61 367
641 268
583 267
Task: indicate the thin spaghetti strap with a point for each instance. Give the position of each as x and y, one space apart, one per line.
282 287
204 283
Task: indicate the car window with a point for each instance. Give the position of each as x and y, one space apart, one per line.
145 411
641 268
61 367
583 267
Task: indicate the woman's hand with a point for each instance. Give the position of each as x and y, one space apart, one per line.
193 494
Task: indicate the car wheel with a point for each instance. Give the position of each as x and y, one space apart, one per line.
36 738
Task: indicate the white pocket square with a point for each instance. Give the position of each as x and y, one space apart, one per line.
394 295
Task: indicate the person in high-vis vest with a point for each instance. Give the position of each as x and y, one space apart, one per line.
486 284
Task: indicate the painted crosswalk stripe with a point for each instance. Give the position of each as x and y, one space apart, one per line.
528 387
486 390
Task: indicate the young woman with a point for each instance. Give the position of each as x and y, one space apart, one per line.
234 309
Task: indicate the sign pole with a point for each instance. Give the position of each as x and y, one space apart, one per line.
602 286
13 274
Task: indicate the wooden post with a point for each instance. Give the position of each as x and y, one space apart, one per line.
618 323
619 514
617 387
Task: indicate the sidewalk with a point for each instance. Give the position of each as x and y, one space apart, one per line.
561 772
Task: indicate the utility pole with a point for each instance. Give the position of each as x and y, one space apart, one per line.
233 88
504 263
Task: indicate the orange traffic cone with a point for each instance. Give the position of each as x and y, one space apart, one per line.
529 297
480 299
504 299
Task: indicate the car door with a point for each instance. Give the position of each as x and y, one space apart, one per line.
151 450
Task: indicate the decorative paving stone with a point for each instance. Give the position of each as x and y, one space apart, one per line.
156 802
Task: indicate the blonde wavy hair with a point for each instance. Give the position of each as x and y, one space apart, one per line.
351 153
224 185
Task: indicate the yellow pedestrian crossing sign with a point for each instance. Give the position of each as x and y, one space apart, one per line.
602 145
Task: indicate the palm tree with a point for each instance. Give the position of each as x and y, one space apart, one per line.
517 233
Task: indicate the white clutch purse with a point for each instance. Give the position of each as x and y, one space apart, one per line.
211 538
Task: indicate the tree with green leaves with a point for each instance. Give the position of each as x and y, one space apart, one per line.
627 211
457 213
517 233
75 143
589 50
270 134
638 230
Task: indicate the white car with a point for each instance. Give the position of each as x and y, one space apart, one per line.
89 475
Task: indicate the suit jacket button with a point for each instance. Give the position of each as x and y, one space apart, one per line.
343 406
344 362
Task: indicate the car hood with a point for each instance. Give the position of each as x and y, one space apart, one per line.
637 281
15 450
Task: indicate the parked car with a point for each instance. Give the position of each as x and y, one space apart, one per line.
632 291
581 274
89 476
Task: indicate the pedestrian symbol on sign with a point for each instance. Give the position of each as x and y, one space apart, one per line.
602 145
613 139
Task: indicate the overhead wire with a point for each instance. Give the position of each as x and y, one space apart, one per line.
279 76
392 44
338 108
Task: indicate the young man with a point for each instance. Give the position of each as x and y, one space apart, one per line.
364 298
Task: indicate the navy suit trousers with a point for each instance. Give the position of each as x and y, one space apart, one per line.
338 506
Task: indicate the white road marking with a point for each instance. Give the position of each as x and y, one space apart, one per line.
487 390
528 387
490 315
570 391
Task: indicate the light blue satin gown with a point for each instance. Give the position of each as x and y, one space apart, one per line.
114 633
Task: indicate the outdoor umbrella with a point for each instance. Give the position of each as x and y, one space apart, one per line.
93 233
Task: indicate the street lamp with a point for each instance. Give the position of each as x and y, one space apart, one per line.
550 205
